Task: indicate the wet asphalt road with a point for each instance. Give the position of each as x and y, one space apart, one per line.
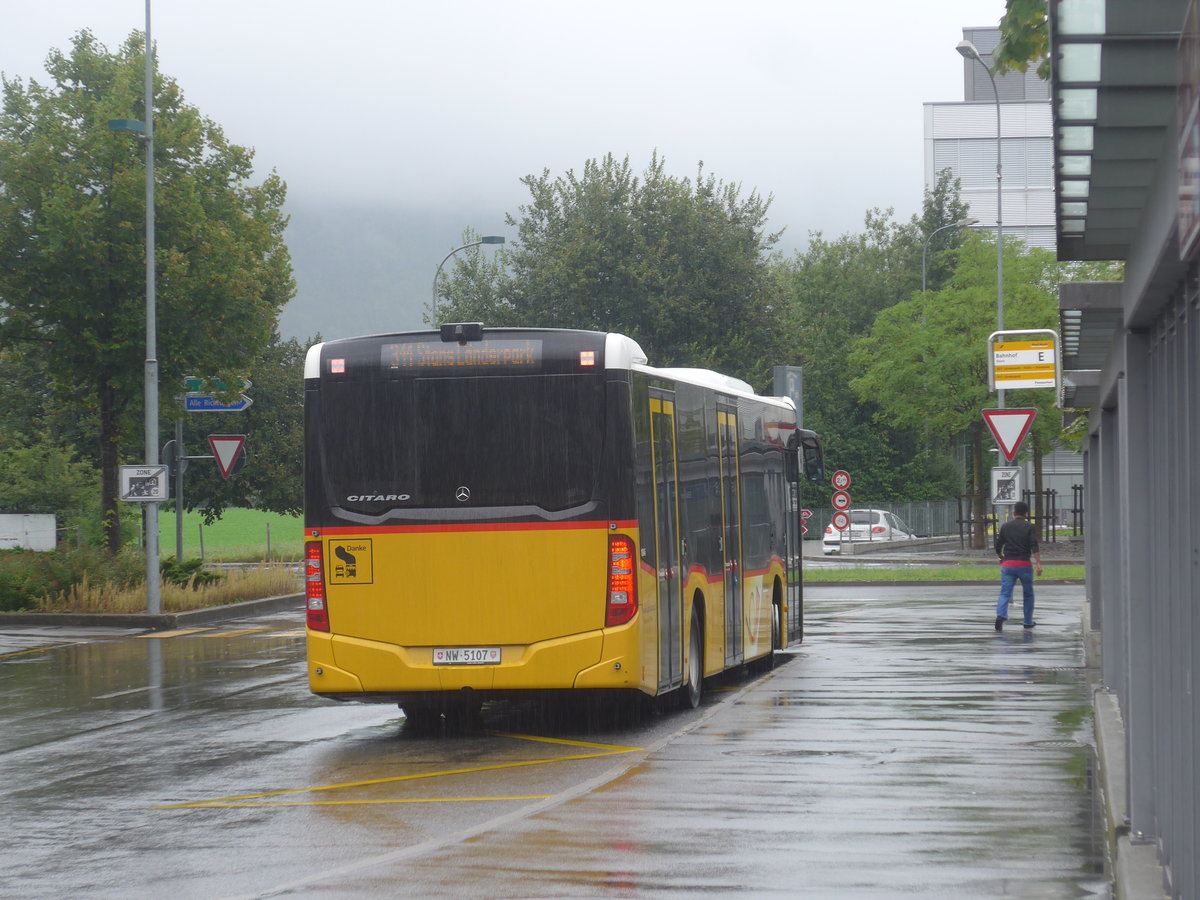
905 749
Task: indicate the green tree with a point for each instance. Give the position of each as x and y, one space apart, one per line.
678 264
836 289
939 241
72 249
924 363
1024 38
37 476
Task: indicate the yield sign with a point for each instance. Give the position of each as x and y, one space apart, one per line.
1009 427
228 450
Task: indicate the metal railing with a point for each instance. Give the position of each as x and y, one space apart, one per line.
926 518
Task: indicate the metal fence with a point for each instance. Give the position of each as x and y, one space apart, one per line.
1053 521
954 518
927 518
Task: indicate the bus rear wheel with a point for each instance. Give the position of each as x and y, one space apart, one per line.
691 692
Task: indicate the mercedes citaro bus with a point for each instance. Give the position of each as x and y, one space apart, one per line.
491 511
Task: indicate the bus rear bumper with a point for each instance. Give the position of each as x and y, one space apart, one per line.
345 665
323 676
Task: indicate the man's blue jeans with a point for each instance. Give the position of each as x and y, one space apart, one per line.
1009 575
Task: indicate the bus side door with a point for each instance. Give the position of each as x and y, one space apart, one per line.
731 531
666 537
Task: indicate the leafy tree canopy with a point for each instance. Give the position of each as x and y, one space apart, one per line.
72 244
677 264
1024 38
836 289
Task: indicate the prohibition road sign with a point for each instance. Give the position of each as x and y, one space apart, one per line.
841 520
841 479
841 500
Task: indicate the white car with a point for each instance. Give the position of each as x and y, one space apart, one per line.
867 525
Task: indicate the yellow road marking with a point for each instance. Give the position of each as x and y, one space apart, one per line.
178 632
31 650
236 632
216 804
615 748
242 799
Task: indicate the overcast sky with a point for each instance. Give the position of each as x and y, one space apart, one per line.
447 105
818 103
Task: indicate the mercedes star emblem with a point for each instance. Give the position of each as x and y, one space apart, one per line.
463 494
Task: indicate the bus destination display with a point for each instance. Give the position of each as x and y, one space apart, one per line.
436 356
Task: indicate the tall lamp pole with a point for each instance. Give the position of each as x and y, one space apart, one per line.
153 582
965 223
968 50
487 239
145 130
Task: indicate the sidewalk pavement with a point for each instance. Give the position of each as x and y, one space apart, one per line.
161 622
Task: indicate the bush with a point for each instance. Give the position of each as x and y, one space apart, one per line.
27 576
188 573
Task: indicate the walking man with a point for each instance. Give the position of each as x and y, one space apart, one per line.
1016 546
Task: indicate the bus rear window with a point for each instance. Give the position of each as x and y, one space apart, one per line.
397 443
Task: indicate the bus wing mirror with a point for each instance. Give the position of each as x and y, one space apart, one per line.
814 457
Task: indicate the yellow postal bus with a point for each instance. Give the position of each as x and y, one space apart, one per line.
490 511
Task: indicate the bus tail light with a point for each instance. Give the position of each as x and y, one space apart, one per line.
622 581
314 586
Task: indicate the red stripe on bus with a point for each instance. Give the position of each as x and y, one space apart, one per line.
703 573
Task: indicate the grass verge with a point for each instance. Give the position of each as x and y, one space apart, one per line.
964 572
232 587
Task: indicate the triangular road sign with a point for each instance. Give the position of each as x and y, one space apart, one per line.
228 450
1009 427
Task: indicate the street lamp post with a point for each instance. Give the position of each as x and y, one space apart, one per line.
965 223
968 50
487 239
150 375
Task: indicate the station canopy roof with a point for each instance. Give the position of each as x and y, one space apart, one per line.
1113 88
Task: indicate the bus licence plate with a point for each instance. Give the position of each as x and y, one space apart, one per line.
466 656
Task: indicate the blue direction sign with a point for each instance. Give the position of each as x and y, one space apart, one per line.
197 402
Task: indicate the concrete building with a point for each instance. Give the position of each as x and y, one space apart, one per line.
1126 92
961 136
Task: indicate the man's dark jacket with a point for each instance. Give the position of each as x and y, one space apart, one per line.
1017 540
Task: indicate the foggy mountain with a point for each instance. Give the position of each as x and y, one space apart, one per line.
368 269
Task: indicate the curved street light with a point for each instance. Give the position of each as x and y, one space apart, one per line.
487 239
968 51
964 223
